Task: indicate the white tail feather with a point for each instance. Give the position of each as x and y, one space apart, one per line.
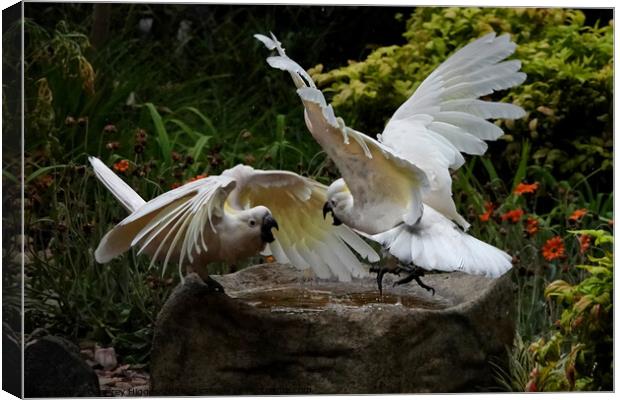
122 191
436 243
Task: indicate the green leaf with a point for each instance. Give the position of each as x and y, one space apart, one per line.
162 134
43 170
10 177
280 126
600 235
560 289
210 128
488 165
200 144
185 128
522 168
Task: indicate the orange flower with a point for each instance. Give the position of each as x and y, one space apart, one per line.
531 226
553 248
523 188
270 259
513 215
489 207
197 177
578 214
121 166
584 243
175 185
45 181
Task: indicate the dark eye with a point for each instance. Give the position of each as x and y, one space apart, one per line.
252 222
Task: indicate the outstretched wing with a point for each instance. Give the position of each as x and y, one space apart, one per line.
445 117
381 182
305 239
179 223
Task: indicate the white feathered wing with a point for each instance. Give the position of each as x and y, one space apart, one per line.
443 118
305 239
183 224
362 161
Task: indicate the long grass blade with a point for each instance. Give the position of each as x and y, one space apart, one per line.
162 134
522 168
41 171
200 144
210 127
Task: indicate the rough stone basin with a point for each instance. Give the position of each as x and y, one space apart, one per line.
274 331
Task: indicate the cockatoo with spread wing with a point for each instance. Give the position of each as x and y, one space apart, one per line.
231 216
398 188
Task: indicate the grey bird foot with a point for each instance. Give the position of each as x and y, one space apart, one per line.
414 274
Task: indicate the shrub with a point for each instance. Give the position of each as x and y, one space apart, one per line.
579 355
568 92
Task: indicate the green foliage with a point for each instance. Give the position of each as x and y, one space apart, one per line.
168 111
579 356
577 353
567 93
66 291
545 213
516 375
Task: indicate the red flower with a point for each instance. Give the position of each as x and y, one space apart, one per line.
530 386
197 177
175 185
578 214
523 188
531 226
513 215
489 207
553 248
121 166
584 243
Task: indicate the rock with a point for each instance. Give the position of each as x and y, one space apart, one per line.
11 361
275 332
106 357
123 381
53 367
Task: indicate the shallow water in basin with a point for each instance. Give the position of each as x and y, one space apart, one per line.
289 299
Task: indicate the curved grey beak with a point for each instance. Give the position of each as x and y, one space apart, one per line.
328 209
265 231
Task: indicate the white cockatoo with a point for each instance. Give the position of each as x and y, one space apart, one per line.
398 188
229 217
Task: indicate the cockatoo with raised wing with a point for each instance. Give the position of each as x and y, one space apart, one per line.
398 188
229 217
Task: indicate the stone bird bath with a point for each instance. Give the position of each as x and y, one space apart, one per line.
274 331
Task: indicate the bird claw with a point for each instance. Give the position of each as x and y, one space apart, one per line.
380 271
414 274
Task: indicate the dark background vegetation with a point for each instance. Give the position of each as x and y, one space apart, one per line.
206 100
